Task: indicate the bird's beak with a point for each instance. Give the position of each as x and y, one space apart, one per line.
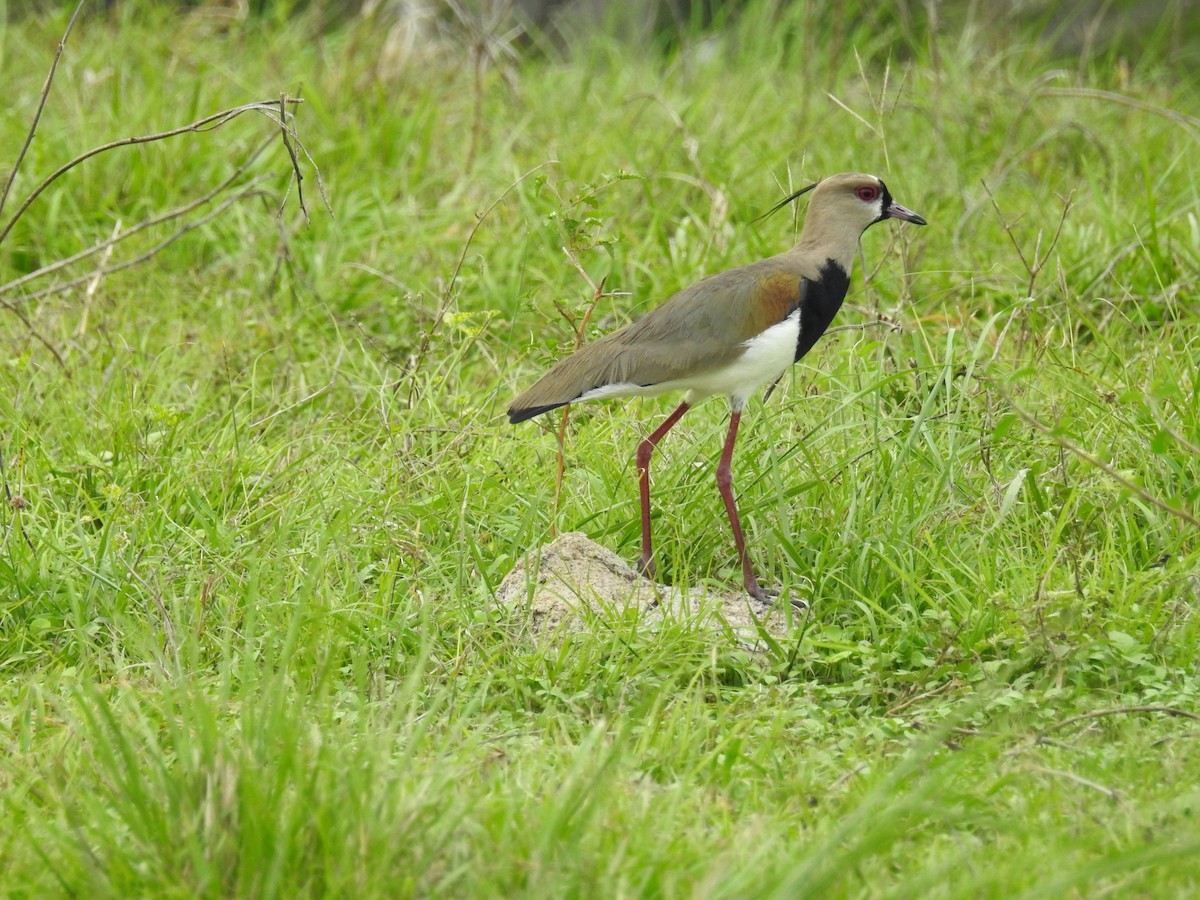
896 211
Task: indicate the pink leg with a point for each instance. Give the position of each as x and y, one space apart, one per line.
725 484
644 452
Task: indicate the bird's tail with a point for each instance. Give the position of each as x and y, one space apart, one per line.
584 370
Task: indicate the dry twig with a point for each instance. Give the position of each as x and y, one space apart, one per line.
580 329
1095 461
1125 710
1032 268
1079 779
448 294
208 123
169 216
16 503
249 191
37 115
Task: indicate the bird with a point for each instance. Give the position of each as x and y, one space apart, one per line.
727 334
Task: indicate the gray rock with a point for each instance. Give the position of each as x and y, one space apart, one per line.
573 581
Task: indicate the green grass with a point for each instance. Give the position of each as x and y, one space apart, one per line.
266 491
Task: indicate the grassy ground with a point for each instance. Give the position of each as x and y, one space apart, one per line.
262 489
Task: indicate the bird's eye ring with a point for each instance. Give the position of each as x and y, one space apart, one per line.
867 193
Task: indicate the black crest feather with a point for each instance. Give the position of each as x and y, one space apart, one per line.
785 201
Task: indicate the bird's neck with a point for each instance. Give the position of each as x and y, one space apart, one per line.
820 243
825 238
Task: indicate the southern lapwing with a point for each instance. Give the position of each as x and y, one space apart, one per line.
727 334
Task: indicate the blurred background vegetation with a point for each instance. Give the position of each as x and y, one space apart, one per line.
1111 29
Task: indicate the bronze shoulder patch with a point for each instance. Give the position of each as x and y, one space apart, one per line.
773 299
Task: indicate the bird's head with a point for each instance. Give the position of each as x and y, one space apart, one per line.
844 206
858 200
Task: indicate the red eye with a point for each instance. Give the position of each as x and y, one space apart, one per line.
867 193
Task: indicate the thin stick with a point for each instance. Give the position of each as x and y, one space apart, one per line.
291 140
1062 220
953 682
1079 779
312 396
1123 710
42 339
37 116
924 695
846 776
94 285
561 456
141 226
15 503
448 294
291 152
208 123
1034 269
1104 467
1007 227
140 258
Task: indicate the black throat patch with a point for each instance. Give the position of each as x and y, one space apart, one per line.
886 197
819 302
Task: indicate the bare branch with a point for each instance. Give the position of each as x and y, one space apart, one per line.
580 329
291 152
277 111
141 226
140 258
1079 779
37 116
1104 467
1062 220
16 503
42 339
1032 269
208 123
1007 227
289 132
1123 710
448 294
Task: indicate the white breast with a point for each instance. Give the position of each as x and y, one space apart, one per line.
765 357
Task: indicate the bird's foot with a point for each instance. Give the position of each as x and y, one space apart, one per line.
762 595
647 568
769 597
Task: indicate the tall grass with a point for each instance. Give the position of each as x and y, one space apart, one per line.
262 498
